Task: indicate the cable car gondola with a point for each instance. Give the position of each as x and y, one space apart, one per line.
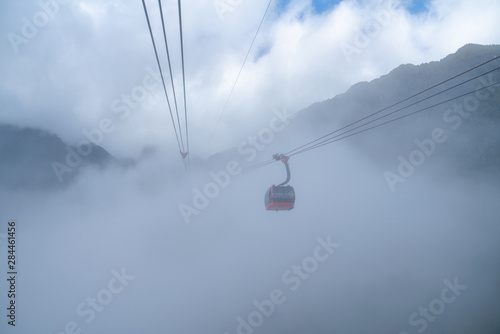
280 197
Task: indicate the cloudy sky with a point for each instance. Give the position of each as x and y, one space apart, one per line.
68 69
112 252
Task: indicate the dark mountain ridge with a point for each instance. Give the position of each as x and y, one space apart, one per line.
35 159
471 123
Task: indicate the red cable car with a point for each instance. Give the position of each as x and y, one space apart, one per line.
280 197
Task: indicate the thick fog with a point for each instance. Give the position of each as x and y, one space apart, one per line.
92 60
142 246
371 260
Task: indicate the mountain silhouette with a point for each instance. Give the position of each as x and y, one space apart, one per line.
32 159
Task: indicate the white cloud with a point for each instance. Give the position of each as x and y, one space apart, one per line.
90 53
396 249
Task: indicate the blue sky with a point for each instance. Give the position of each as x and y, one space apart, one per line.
324 5
319 5
418 6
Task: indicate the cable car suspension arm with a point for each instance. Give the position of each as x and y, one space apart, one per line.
284 159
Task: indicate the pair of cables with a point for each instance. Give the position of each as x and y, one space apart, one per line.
370 122
183 145
184 148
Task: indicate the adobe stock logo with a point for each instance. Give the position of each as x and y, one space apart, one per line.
369 31
454 117
94 305
224 6
30 28
293 279
221 179
122 107
449 294
425 148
